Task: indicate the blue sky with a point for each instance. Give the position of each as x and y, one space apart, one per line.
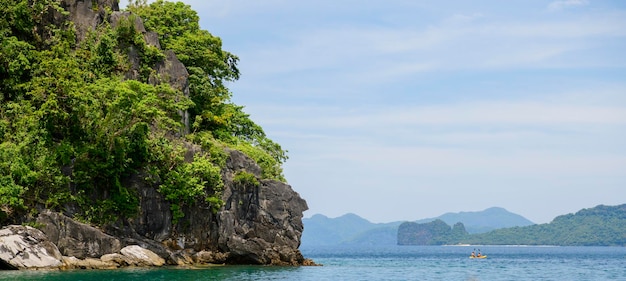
402 110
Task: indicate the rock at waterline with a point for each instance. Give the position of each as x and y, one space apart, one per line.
27 247
141 257
76 239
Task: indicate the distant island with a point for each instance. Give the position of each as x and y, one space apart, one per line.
598 226
353 230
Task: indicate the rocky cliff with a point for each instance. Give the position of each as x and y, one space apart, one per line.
436 232
258 224
260 221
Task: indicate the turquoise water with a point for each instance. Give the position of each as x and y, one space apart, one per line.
392 263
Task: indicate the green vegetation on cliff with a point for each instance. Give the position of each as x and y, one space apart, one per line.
74 128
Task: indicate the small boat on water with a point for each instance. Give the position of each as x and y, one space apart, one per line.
477 255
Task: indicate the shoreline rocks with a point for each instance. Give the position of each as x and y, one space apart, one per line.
25 247
76 239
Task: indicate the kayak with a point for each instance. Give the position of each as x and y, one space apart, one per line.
481 257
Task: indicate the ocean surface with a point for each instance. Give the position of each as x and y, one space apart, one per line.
391 263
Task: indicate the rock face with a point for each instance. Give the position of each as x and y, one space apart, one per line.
87 14
24 247
257 224
77 239
27 247
88 263
142 257
260 224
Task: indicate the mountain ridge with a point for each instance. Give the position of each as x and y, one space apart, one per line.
352 230
602 225
598 226
498 218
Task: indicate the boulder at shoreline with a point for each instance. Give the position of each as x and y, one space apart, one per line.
25 247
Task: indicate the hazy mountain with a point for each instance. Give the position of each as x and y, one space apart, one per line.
483 221
319 230
380 235
350 229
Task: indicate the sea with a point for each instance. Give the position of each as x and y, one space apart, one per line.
390 263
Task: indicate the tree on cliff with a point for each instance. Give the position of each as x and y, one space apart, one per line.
73 128
209 67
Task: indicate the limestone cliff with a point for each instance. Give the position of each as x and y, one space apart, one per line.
258 223
436 232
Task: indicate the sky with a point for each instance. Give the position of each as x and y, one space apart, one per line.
402 110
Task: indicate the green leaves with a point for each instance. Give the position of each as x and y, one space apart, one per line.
16 58
245 178
72 129
270 167
10 194
210 67
187 182
13 172
17 17
117 122
27 165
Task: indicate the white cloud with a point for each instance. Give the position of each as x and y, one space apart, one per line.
510 113
564 4
384 54
351 50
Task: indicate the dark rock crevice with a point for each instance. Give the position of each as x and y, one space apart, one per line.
6 266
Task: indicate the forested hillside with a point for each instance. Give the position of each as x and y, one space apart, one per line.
81 111
598 226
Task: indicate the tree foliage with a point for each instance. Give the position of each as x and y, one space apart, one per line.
188 181
73 129
210 68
